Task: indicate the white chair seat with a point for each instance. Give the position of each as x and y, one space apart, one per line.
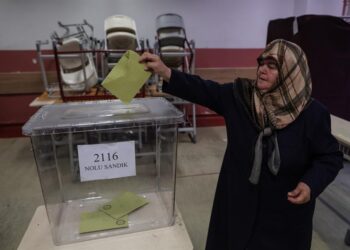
173 61
172 37
76 80
121 21
71 44
172 49
121 40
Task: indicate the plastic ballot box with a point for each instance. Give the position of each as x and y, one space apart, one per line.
106 168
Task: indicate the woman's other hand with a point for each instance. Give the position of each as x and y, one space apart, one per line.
154 64
300 195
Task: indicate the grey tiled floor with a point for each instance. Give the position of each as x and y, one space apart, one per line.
197 172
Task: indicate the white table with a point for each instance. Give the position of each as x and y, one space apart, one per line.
38 237
341 131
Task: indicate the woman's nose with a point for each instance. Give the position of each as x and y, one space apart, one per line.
263 68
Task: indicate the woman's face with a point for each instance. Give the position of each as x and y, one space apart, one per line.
267 74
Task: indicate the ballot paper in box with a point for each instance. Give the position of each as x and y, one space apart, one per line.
106 168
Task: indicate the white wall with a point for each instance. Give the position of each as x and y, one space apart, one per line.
212 24
300 7
324 7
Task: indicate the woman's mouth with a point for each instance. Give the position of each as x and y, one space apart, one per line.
262 78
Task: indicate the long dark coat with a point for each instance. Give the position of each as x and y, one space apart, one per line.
259 217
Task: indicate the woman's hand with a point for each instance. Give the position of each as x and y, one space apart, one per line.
154 64
300 195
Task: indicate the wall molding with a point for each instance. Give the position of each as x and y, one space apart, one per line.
225 75
23 82
27 61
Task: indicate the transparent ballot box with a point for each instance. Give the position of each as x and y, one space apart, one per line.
106 168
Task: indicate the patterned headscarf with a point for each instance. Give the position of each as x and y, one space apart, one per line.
280 105
288 97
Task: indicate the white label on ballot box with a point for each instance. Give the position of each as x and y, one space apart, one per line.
107 161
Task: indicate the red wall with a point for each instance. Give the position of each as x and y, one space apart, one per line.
14 112
226 58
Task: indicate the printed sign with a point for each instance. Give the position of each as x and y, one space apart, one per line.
107 161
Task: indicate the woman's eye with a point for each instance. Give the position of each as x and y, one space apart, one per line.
272 66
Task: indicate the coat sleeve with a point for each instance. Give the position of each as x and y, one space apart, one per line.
194 89
326 158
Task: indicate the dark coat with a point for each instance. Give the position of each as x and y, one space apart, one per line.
259 217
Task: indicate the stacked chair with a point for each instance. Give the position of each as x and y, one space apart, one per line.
77 70
176 52
120 33
171 39
120 36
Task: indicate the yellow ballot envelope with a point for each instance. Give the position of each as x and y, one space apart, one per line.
97 221
123 205
127 77
111 215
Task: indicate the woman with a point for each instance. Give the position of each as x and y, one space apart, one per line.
280 154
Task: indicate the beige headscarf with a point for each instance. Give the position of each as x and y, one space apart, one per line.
283 103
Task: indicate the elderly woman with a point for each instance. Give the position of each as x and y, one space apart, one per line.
280 154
